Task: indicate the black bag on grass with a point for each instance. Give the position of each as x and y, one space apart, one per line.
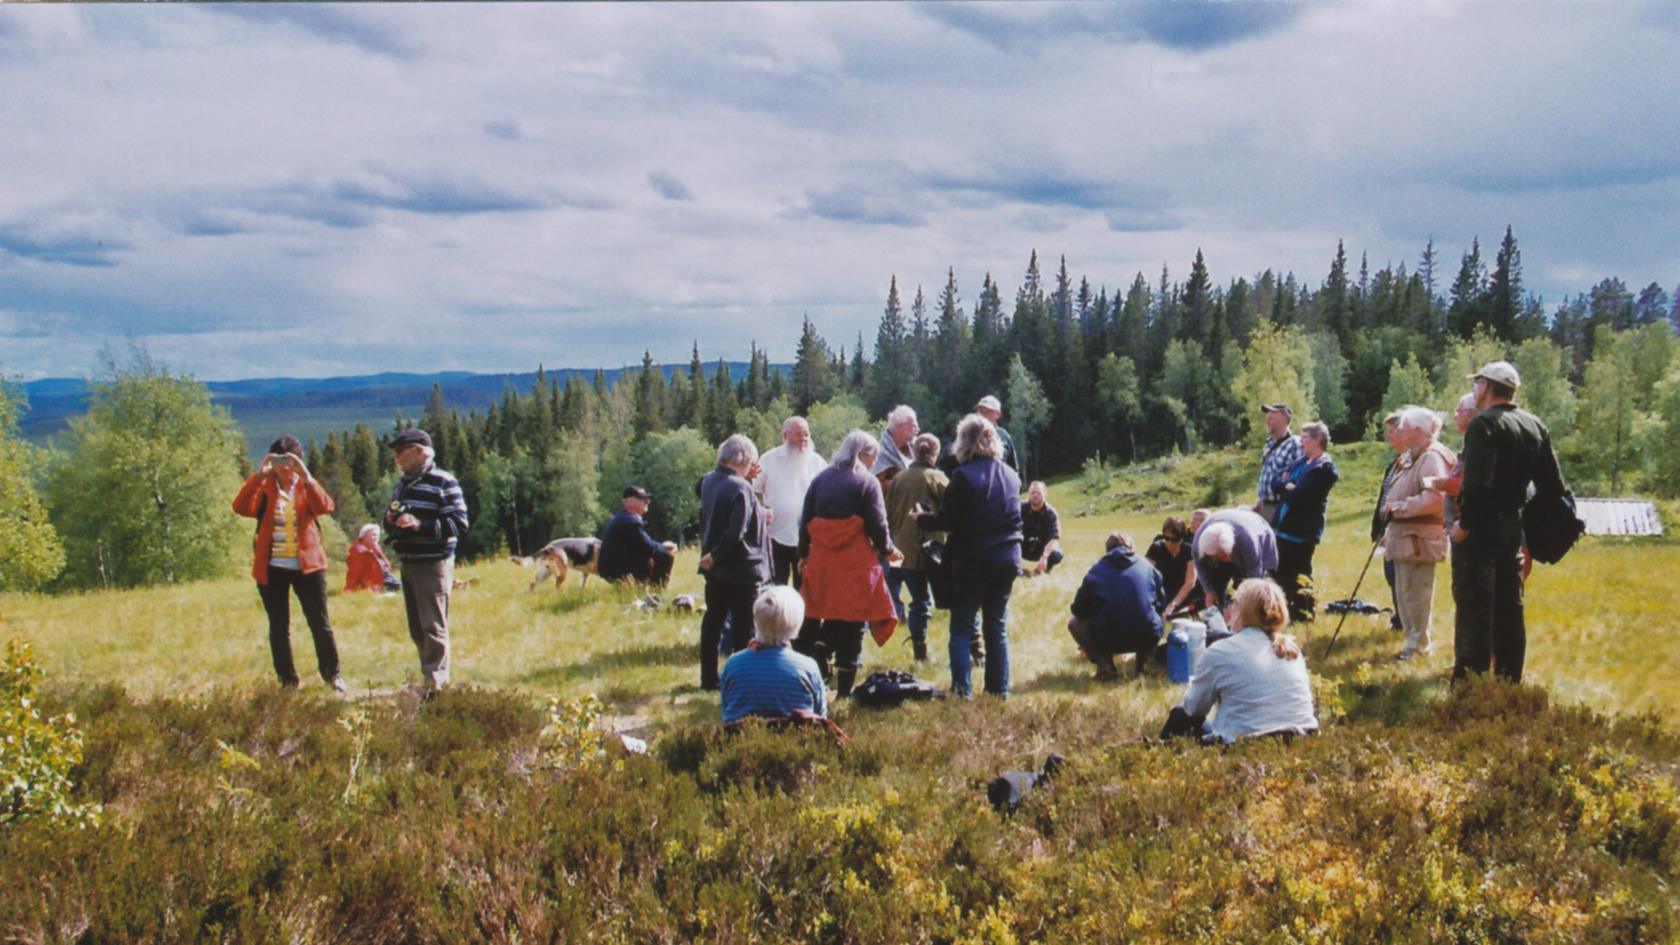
890 687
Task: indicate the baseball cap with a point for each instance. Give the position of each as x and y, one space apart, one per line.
990 403
410 437
1280 408
1500 372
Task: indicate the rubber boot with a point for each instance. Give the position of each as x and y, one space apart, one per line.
921 650
845 678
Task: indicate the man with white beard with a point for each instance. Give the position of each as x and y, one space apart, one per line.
785 473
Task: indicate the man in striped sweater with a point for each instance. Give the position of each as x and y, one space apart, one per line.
428 514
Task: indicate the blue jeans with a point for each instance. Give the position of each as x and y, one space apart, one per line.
921 604
982 591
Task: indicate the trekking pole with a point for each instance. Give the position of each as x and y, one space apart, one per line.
1351 595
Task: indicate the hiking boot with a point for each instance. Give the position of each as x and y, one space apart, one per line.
920 646
844 680
1107 671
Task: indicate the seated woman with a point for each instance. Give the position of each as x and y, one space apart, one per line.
1257 675
769 680
366 567
1170 554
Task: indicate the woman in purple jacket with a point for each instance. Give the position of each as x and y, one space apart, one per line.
981 512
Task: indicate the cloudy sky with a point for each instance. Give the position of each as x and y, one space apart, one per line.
262 190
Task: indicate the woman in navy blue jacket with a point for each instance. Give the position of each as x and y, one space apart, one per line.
981 511
1300 521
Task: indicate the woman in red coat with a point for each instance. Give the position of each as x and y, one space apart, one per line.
366 567
287 555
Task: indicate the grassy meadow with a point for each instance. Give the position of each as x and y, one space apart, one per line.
236 812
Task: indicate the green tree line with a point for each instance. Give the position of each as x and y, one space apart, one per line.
1158 366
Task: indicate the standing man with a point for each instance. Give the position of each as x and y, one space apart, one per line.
428 515
989 408
734 553
1041 533
628 552
1505 450
1281 453
893 456
785 474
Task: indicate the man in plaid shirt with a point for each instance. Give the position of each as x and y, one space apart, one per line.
1283 451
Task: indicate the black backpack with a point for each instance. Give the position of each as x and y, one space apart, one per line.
1551 526
890 687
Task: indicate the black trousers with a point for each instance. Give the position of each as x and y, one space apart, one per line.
1295 562
725 603
784 564
1488 592
311 592
838 640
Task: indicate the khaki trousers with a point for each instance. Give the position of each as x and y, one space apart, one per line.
426 586
1414 597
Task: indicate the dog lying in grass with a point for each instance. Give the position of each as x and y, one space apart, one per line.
560 556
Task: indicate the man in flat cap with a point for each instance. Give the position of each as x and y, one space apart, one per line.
427 516
1505 449
628 552
1281 452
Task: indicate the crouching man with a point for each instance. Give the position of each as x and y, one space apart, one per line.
1118 608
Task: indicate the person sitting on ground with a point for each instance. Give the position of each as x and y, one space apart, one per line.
1041 533
1118 608
1257 676
1232 546
628 552
1170 554
769 679
365 566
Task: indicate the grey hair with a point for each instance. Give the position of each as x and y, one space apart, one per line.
738 450
366 530
777 614
925 447
1420 418
900 414
856 444
795 419
1219 537
1317 431
976 437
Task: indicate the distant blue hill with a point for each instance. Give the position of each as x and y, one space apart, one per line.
311 407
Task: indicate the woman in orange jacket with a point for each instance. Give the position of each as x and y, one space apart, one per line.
288 558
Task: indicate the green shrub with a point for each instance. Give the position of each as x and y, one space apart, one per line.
38 754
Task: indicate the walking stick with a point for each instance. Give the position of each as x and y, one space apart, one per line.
1351 595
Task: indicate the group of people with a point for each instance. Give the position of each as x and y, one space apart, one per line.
801 556
426 517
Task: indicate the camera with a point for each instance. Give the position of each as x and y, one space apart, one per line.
281 461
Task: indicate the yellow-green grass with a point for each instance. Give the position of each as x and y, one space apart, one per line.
1599 626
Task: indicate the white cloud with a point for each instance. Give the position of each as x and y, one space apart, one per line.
480 187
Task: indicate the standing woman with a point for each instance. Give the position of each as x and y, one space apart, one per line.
1416 540
982 513
1300 522
288 558
844 551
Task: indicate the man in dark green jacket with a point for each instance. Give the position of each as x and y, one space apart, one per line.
1505 450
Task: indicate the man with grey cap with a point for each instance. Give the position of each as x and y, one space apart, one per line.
1506 449
427 516
1280 454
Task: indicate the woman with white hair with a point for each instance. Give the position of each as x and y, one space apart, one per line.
981 512
365 566
769 679
1300 519
734 552
844 548
1416 539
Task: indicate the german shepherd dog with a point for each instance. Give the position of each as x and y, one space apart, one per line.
559 556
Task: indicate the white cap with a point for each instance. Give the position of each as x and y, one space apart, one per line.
1500 372
990 403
